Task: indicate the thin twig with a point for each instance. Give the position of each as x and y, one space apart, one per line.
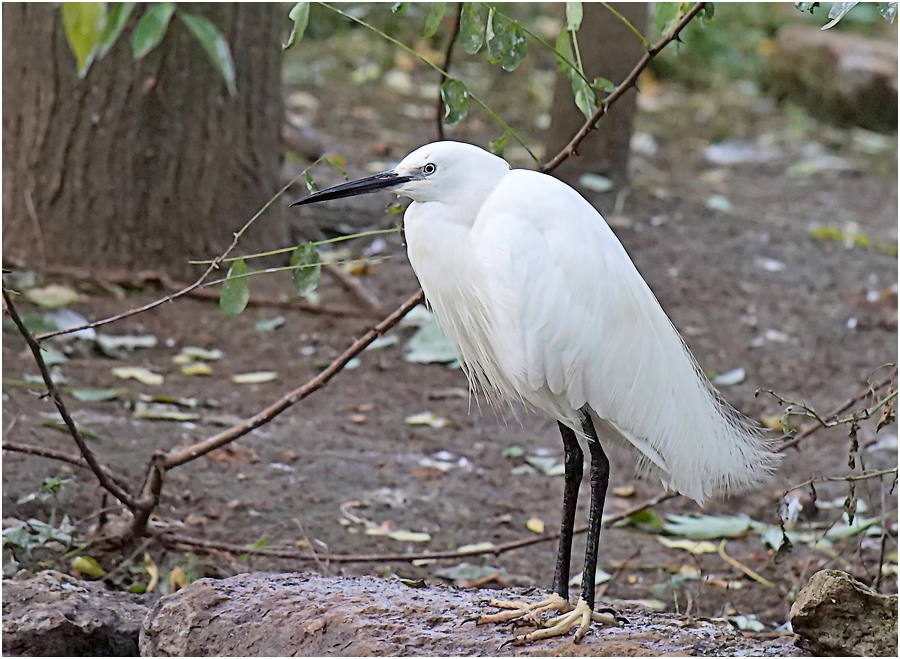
355 288
843 407
184 291
838 479
275 303
52 454
448 56
628 24
99 471
630 81
181 456
496 550
733 562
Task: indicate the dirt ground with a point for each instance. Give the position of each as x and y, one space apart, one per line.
748 285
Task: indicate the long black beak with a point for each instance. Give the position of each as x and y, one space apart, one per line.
383 181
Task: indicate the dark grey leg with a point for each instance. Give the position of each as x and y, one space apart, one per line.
599 484
574 462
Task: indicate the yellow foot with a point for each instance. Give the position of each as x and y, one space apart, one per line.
522 612
580 616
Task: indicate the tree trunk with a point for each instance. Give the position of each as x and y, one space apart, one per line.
609 50
141 165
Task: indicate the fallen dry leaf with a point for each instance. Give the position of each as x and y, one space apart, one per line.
256 377
139 373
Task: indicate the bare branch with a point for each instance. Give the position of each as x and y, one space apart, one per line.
52 454
355 288
496 550
841 409
99 471
630 81
179 457
150 492
448 56
214 265
845 479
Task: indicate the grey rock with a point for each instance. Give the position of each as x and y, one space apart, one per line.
312 615
837 615
53 614
840 77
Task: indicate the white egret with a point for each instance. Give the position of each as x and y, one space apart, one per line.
544 307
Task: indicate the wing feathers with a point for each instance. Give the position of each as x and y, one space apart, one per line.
583 326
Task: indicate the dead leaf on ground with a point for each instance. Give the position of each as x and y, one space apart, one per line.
161 412
427 419
139 373
692 546
152 570
624 492
256 377
197 368
178 579
53 296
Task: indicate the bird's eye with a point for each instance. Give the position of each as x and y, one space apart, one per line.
429 169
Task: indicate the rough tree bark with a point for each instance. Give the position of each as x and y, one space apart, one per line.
141 165
608 49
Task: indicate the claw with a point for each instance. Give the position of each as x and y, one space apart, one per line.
569 617
525 612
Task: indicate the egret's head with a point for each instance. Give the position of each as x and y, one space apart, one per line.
441 171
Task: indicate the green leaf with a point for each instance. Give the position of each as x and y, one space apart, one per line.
574 14
87 566
709 527
236 289
498 146
307 268
513 451
506 42
299 14
472 27
84 23
151 29
518 47
118 17
96 395
310 183
335 163
213 42
564 54
646 519
269 324
435 16
665 14
455 95
399 7
585 98
603 85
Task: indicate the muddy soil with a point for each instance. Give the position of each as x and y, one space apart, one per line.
746 283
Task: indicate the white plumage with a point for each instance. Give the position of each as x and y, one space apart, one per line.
544 306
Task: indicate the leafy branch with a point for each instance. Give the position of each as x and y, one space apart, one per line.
92 29
630 81
454 93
